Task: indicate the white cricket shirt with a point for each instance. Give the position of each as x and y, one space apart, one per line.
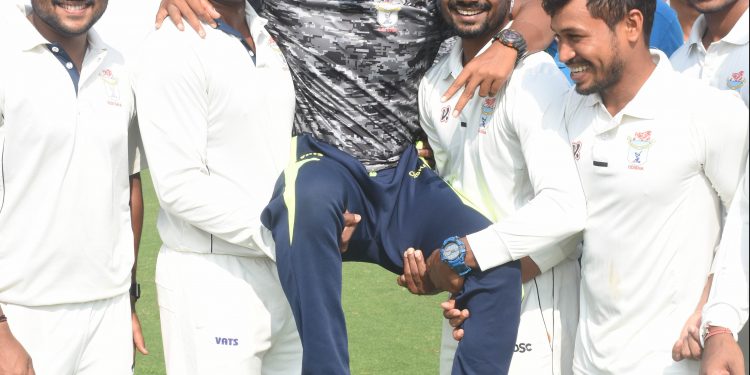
505 154
655 177
65 233
725 64
216 123
509 155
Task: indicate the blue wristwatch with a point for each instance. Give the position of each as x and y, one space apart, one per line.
453 253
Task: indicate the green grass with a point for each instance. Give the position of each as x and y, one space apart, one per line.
390 331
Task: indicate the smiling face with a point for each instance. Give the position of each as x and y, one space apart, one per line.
589 48
474 18
68 18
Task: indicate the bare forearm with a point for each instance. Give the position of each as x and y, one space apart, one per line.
533 23
136 217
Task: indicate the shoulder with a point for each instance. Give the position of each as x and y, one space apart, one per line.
537 78
681 58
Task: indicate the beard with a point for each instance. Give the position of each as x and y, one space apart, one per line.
490 25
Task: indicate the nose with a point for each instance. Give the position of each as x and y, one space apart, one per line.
565 51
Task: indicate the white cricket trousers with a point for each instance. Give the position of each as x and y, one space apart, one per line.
89 338
224 314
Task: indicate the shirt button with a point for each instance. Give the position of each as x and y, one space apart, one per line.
69 65
55 49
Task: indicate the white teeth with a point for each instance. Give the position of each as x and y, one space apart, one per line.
468 12
578 69
73 7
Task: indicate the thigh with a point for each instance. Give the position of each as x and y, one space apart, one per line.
221 321
428 212
52 335
109 349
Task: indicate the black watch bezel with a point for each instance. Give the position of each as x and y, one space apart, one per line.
135 291
512 39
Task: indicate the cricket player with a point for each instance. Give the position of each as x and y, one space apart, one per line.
509 155
659 156
217 118
68 143
356 68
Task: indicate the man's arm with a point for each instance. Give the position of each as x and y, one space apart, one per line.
726 311
490 70
14 360
136 222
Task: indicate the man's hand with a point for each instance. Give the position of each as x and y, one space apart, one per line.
14 360
139 343
415 274
455 317
689 344
442 276
350 225
489 71
194 11
722 356
424 150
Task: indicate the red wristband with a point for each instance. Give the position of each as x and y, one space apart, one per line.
712 330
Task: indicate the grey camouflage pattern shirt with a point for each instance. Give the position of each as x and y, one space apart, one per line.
356 66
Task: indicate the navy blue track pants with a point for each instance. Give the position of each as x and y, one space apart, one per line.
401 207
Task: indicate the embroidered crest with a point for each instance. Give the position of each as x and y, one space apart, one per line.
576 150
388 14
639 144
488 107
736 80
111 88
445 113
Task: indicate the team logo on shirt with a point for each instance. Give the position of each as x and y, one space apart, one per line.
111 88
444 113
488 107
388 14
576 149
639 144
736 80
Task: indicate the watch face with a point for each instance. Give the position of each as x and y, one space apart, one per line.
451 251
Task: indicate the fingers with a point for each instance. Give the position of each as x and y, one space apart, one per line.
457 85
687 347
466 96
175 16
161 15
138 340
694 344
192 20
425 153
350 225
411 272
458 334
677 350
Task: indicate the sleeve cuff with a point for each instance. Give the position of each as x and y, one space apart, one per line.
720 315
489 249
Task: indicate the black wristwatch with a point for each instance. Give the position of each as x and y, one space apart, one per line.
513 39
135 291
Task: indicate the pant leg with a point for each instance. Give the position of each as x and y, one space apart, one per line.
305 216
220 315
428 212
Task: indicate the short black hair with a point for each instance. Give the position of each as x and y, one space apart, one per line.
611 11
